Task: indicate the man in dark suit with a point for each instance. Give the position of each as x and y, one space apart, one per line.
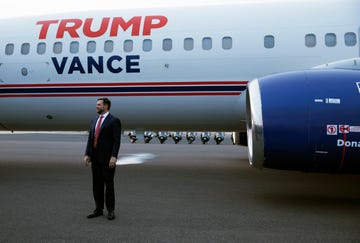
102 150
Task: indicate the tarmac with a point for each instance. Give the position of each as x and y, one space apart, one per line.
168 193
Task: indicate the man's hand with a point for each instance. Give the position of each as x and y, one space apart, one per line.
112 162
86 160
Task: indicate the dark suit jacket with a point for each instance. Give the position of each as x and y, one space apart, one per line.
108 141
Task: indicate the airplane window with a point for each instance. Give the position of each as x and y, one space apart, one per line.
41 48
350 39
269 41
207 43
227 43
128 45
330 39
9 49
310 40
57 47
167 44
188 44
74 47
25 48
91 47
109 46
147 45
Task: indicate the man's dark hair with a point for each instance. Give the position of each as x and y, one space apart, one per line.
106 101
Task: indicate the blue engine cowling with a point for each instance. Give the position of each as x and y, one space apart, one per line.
308 120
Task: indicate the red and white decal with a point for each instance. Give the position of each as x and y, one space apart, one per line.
344 129
331 130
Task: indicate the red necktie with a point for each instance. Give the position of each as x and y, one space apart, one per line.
97 131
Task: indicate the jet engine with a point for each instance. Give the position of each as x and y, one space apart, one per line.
190 136
148 135
308 120
162 136
205 137
177 136
219 137
132 136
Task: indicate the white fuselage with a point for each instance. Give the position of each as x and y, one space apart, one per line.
163 69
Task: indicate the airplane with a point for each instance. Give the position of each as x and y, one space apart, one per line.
283 72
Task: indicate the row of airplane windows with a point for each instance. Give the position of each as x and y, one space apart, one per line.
350 39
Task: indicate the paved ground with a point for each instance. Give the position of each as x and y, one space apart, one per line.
187 193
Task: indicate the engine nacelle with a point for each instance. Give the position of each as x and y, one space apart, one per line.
307 120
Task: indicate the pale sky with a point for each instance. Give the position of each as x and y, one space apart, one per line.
16 8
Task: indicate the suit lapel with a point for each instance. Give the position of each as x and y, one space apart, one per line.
94 125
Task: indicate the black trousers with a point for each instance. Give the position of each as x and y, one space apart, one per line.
103 180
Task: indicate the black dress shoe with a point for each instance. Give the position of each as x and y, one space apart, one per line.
111 215
95 214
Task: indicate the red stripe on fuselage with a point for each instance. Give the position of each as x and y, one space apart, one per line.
121 94
123 84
